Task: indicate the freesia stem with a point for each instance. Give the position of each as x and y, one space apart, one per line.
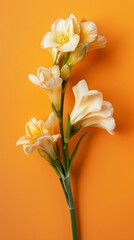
71 208
66 185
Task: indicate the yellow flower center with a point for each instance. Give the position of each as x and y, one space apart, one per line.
62 38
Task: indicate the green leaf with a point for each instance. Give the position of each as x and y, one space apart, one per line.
68 130
76 147
57 164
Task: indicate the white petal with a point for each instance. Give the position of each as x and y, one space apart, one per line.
100 42
53 82
42 127
49 40
71 45
55 71
34 79
32 128
105 112
30 148
54 24
86 101
107 124
51 138
50 123
61 26
79 90
24 140
75 23
88 31
92 102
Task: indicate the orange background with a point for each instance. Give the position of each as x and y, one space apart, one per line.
32 205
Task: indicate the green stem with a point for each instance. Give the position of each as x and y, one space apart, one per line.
66 164
71 208
66 185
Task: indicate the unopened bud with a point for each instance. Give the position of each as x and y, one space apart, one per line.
65 72
78 54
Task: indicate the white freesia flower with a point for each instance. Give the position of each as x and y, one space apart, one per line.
90 109
40 133
49 80
64 35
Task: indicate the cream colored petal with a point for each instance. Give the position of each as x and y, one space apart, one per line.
53 26
24 140
79 90
55 71
75 24
86 101
50 149
100 42
30 148
34 79
50 123
90 103
60 26
82 94
105 112
32 128
53 82
88 31
45 74
51 138
71 45
53 89
107 124
54 53
43 130
70 29
49 40
55 96
48 144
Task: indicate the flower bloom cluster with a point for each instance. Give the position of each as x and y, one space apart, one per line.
68 41
67 35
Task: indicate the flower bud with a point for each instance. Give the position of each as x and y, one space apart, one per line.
65 72
78 54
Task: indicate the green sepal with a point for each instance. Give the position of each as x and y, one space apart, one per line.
76 147
45 155
57 164
74 130
58 168
57 113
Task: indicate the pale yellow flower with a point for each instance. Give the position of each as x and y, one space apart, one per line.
49 80
90 109
40 134
64 35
